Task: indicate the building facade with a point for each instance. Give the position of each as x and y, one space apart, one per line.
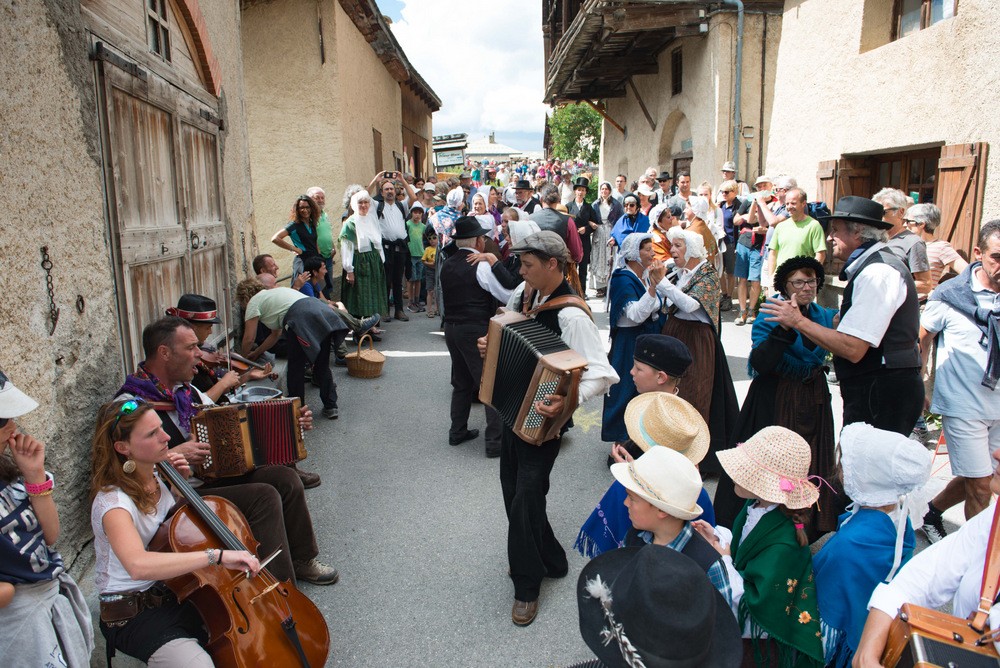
874 94
339 106
665 78
126 124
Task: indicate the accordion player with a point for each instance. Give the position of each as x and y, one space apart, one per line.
534 361
244 436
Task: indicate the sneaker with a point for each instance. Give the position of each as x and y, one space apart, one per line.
367 324
741 319
316 572
751 316
933 529
331 413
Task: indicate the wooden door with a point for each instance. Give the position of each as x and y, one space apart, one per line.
961 180
164 198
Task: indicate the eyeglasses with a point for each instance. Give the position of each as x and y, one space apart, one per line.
127 408
780 190
800 283
628 204
910 221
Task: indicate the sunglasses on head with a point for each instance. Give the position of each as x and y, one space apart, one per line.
126 408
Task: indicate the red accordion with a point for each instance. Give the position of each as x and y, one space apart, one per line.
242 437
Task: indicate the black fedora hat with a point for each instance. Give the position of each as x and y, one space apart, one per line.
856 209
582 182
660 603
196 308
522 184
467 227
664 176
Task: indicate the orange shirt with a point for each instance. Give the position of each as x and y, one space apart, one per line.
661 245
698 226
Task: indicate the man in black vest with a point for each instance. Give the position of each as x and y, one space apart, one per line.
271 497
587 220
533 551
391 215
875 348
470 293
524 194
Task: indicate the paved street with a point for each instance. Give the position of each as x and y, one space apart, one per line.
417 527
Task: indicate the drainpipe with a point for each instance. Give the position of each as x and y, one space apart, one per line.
737 117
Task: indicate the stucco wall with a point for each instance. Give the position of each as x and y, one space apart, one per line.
293 110
702 111
937 86
369 98
50 195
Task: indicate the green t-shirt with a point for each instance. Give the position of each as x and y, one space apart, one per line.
415 232
793 239
324 236
271 306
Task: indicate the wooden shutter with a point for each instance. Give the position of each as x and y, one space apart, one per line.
854 177
377 141
960 186
826 191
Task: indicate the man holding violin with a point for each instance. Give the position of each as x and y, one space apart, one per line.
272 498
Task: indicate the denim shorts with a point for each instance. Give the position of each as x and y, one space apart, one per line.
416 269
749 263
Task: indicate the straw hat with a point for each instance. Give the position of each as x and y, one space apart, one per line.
666 479
662 418
773 465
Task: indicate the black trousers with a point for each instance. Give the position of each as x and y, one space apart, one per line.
273 500
397 259
585 262
466 373
297 362
532 549
890 399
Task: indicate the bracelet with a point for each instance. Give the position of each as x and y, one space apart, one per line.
47 492
41 488
211 557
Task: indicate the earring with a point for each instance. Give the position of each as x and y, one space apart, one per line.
128 467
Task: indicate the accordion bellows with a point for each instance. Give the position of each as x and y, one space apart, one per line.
525 360
242 437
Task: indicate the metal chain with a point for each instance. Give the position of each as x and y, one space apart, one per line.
243 247
53 310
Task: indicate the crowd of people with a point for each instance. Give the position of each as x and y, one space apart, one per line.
676 577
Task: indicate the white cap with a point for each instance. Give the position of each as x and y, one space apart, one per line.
13 402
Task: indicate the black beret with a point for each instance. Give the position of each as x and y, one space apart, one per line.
664 353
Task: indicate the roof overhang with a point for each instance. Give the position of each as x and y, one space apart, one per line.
370 23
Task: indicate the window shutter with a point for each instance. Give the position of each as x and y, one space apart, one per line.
854 177
961 181
826 191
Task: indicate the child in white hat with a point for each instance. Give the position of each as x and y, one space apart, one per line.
662 488
778 610
874 537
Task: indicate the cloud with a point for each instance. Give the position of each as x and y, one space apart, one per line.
486 63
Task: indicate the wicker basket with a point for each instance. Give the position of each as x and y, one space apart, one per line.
365 363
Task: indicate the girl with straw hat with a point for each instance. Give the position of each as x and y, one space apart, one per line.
778 610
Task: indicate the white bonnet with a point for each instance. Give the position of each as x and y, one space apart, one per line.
880 466
699 206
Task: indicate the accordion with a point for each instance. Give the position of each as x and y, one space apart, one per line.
525 360
923 638
242 437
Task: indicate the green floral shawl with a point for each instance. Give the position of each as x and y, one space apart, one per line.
779 592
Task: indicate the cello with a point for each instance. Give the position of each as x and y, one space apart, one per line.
251 621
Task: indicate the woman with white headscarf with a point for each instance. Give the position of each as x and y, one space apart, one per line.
516 227
363 287
608 210
634 310
698 214
693 317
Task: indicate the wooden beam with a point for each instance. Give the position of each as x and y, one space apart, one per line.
599 108
642 105
644 19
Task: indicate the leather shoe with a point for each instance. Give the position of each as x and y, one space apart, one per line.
309 480
340 361
400 315
316 572
468 436
331 413
524 612
492 454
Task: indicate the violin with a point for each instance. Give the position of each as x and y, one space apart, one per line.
251 621
234 362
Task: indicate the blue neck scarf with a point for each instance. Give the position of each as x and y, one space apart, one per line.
798 361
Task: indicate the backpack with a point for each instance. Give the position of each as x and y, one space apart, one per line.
381 207
816 209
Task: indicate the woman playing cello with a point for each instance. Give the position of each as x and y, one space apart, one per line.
139 616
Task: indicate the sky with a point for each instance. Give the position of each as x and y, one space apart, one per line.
483 59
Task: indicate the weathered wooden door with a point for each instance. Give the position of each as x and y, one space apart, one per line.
164 197
960 185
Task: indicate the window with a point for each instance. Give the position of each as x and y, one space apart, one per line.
913 15
157 34
676 70
911 172
377 140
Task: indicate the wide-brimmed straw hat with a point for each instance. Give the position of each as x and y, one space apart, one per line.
773 465
658 606
663 418
666 479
